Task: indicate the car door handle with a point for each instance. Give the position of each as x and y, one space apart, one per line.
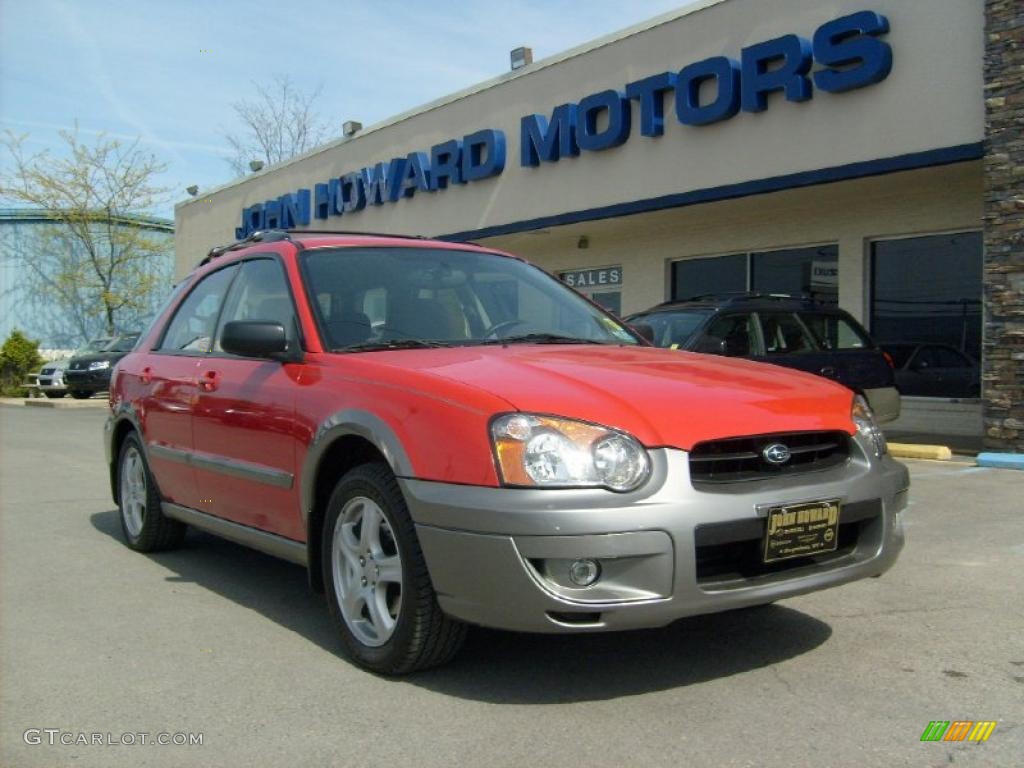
828 371
209 381
147 375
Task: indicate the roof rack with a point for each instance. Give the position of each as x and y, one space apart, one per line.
734 296
260 236
355 232
277 235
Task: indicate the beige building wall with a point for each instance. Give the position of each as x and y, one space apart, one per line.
851 213
933 99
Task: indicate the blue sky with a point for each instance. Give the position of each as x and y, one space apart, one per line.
168 72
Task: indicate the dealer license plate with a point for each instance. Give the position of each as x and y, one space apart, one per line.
799 530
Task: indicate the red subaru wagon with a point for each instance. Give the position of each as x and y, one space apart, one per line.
445 435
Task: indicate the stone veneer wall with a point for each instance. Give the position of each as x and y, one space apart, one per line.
1003 368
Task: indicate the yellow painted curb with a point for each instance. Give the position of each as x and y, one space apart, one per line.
910 451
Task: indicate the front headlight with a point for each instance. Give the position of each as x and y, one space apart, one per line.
866 425
99 365
550 452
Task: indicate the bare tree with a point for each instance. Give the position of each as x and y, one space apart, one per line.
93 259
279 123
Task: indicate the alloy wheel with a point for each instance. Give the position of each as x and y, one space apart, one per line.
133 491
367 571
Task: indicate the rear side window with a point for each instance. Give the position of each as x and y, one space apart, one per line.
737 331
835 332
192 327
784 334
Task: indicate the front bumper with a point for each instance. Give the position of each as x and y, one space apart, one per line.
87 381
54 383
499 556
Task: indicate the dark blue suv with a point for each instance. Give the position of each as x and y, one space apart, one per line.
785 330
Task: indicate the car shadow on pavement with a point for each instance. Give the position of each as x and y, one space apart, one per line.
277 589
512 668
508 667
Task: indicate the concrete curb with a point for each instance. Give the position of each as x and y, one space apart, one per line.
1001 460
65 404
909 451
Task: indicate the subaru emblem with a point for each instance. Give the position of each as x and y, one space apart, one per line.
776 454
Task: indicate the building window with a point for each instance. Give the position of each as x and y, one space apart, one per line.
799 271
811 271
926 291
719 274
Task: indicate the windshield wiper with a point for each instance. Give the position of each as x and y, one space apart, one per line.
374 346
541 338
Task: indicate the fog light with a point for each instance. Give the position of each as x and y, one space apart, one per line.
583 573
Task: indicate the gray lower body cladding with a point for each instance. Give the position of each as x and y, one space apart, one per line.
499 556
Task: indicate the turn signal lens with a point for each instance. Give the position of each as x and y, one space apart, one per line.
547 451
864 418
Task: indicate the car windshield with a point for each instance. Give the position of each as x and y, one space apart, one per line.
122 343
673 328
390 298
95 345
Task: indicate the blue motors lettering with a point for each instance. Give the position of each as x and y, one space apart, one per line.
475 157
848 52
843 54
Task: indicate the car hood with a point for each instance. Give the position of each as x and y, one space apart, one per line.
662 397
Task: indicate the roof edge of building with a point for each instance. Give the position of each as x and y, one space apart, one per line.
807 178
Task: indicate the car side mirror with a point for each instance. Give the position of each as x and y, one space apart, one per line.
255 338
711 345
644 331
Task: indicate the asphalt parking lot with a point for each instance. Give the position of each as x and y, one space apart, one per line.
217 640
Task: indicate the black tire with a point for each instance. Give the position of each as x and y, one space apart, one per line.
79 394
422 636
54 395
150 531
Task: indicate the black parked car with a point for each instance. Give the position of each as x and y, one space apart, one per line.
785 330
88 374
934 370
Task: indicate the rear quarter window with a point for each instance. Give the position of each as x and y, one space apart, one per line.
835 331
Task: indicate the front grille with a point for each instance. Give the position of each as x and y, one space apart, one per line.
737 459
734 551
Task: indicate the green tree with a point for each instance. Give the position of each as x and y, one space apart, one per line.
95 261
19 357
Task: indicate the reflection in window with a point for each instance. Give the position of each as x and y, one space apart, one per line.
610 300
735 333
783 334
833 331
811 271
928 290
718 274
192 328
798 271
